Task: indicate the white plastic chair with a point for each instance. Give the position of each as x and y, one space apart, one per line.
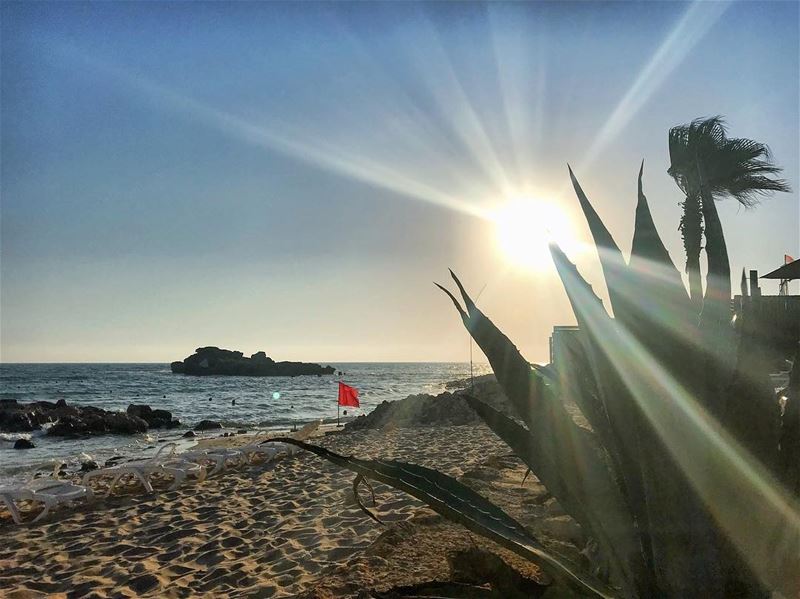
220 458
181 468
267 451
286 449
50 492
142 470
10 496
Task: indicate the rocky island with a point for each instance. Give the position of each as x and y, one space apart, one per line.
215 361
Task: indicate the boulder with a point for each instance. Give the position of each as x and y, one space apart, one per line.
189 434
17 422
207 425
428 410
125 424
143 411
215 361
23 444
89 465
23 418
17 417
154 418
417 410
93 421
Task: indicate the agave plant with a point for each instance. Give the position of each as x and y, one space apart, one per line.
683 480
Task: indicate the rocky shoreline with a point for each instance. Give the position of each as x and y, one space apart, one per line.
60 419
76 421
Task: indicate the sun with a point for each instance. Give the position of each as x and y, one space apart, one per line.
524 227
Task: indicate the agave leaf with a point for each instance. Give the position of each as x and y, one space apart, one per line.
568 464
513 372
574 381
532 451
457 502
614 267
358 480
647 246
526 447
587 307
668 511
634 452
663 317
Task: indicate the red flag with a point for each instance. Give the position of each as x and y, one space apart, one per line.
348 396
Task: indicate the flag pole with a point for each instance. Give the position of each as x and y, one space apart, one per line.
338 406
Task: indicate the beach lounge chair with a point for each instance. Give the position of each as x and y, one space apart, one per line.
49 492
181 468
11 496
272 449
218 457
164 461
265 450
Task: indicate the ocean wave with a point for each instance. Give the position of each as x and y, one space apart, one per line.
14 436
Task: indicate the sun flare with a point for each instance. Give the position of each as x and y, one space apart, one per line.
524 227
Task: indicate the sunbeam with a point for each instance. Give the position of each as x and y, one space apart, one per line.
698 19
327 155
756 513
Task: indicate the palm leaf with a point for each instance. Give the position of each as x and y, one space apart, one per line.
457 502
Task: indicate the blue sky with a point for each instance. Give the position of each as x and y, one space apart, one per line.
293 177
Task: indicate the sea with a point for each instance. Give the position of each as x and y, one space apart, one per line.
261 403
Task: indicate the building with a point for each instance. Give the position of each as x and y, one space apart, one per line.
774 319
564 338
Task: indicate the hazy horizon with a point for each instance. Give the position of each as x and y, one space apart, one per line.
321 362
292 178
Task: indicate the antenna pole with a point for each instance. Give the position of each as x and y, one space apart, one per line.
471 378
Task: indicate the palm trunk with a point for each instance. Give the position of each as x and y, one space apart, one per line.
692 231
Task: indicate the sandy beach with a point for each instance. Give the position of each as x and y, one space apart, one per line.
281 529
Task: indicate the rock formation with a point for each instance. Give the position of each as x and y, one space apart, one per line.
216 361
79 420
429 410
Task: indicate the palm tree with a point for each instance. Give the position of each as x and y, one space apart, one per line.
708 166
